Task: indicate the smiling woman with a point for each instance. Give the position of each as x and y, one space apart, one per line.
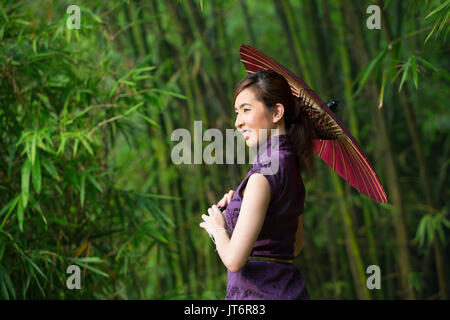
263 217
252 118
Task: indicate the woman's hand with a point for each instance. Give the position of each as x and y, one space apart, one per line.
226 199
214 220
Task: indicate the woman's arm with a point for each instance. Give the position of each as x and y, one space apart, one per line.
234 252
298 237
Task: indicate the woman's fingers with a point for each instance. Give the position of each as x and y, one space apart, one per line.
226 199
230 195
222 201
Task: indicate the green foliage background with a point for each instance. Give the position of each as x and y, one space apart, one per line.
86 118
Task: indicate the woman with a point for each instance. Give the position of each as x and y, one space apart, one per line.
263 216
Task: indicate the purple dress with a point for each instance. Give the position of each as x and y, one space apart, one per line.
269 280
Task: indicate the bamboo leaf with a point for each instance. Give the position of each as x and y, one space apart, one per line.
428 64
95 270
12 151
24 136
73 176
152 122
62 144
86 145
83 262
170 93
36 175
82 188
20 215
446 222
93 15
130 83
430 231
152 232
365 73
405 74
7 280
2 32
440 232
35 44
35 267
81 113
94 183
75 147
4 290
153 100
381 96
133 108
33 147
68 35
439 8
431 32
10 207
420 235
43 97
26 181
37 207
414 70
2 249
87 260
48 165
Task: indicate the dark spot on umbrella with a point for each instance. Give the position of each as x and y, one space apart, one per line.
332 105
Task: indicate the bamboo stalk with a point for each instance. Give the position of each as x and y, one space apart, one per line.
284 12
406 105
353 251
248 22
349 103
361 58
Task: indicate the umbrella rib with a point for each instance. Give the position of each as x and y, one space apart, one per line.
368 173
370 170
266 63
354 171
362 157
286 73
357 173
321 148
274 63
334 157
256 55
343 160
364 172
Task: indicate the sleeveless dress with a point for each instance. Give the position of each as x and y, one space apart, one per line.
270 280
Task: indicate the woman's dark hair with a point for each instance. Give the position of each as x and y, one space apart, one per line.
271 88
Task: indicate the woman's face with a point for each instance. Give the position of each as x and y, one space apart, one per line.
252 116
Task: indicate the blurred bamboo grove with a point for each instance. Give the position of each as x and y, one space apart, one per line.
86 119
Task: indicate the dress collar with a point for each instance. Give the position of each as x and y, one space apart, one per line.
274 144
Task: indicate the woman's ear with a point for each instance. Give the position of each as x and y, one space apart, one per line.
278 112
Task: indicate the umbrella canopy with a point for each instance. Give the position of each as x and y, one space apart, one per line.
335 145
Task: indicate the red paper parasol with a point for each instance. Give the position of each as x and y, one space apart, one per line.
335 145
